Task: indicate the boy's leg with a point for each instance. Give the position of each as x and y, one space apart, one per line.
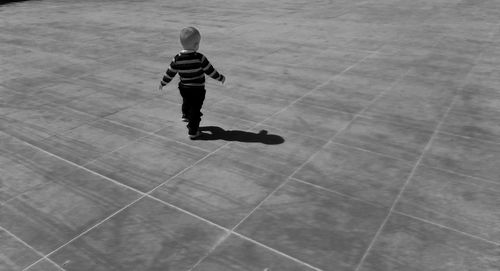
197 98
185 102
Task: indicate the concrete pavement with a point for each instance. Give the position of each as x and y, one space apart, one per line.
351 135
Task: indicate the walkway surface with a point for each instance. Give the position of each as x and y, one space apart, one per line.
350 135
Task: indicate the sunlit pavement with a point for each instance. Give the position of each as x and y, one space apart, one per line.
350 135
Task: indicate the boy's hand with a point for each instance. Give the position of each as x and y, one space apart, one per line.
160 87
223 79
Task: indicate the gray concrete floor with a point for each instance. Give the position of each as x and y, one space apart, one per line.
351 135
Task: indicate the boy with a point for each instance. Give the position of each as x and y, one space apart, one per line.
192 67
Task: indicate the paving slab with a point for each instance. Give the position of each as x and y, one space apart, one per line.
45 265
410 244
15 254
321 228
355 135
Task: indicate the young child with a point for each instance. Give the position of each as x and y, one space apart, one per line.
191 67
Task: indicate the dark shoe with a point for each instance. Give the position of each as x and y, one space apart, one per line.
198 134
185 118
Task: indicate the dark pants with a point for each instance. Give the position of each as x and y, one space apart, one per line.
192 101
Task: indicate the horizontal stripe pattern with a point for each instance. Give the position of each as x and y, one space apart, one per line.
191 67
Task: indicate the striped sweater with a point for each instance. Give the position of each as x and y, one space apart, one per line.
191 67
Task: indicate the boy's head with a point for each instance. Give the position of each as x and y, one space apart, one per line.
190 38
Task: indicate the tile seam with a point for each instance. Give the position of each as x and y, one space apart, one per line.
469 138
207 254
372 152
275 250
463 175
385 120
438 214
447 227
338 193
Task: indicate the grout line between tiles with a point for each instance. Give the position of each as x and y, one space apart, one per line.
187 212
274 97
30 247
382 93
417 164
337 192
220 241
276 251
16 197
469 137
448 228
373 152
463 175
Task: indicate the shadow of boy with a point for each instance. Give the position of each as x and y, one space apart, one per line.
217 133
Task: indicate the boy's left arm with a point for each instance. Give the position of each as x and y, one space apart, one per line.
211 71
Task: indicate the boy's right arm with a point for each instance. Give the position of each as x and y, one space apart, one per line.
169 75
